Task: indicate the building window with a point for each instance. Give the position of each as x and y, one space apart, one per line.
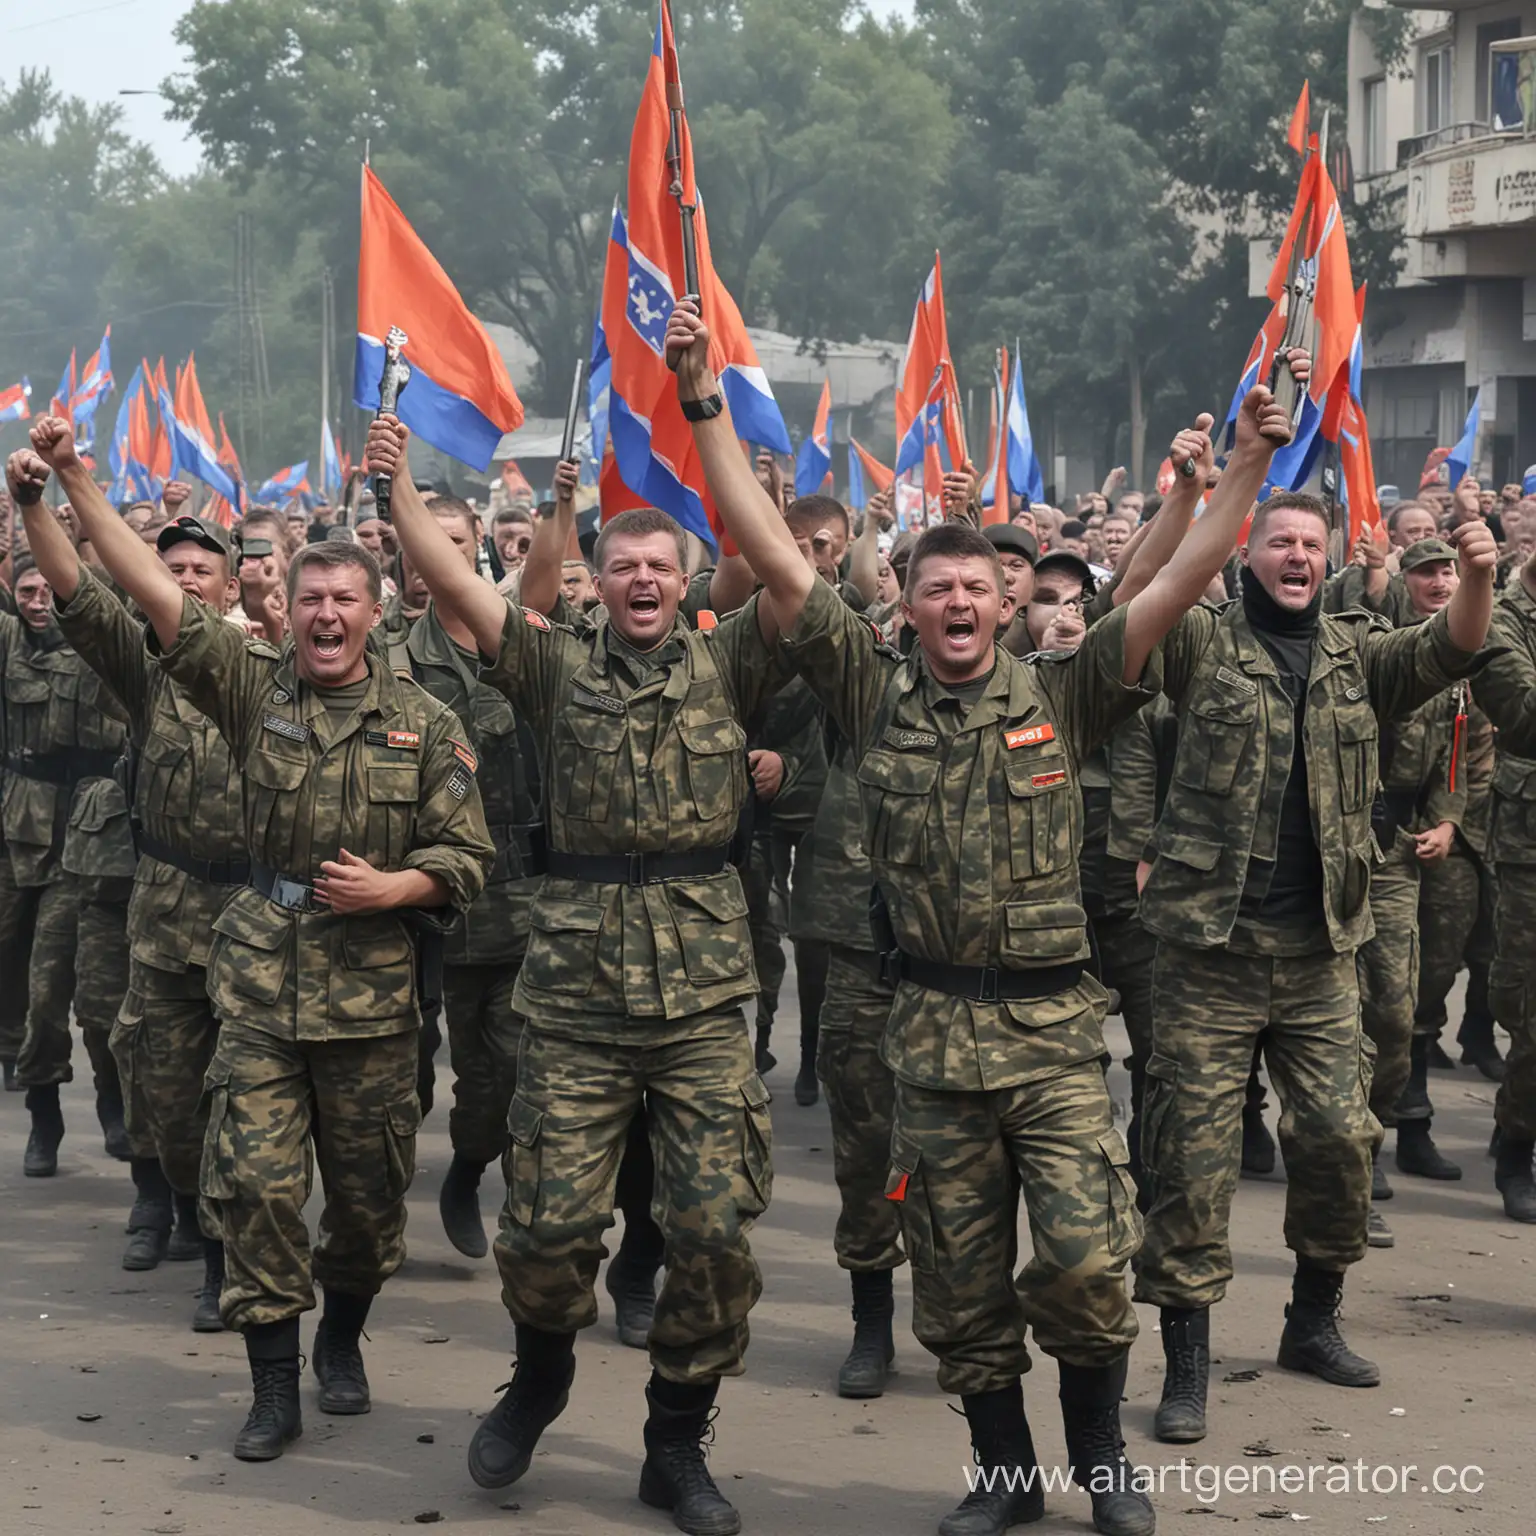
1487 35
1374 139
1436 73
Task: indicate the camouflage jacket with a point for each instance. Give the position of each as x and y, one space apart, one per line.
1506 690
792 726
1347 590
495 928
830 892
973 819
187 794
1236 741
642 754
61 735
1120 801
1416 762
391 784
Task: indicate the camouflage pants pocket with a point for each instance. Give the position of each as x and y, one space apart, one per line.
1367 1064
757 1148
1162 1085
521 1165
216 1177
401 1123
906 1187
832 1048
1125 1228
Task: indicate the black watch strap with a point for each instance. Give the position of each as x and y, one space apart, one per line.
704 410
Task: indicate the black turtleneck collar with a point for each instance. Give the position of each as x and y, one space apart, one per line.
1268 617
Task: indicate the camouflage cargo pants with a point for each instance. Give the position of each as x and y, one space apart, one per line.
275 1107
1387 968
760 881
861 1100
958 1164
712 1137
483 1032
1513 991
1210 1007
1126 952
1456 901
51 979
18 918
163 1041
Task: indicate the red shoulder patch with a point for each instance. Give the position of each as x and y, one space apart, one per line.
707 619
464 755
1030 735
535 620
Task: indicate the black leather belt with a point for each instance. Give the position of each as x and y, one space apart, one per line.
635 868
209 871
63 765
986 983
294 895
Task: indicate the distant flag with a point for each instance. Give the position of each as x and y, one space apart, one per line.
858 497
516 482
219 508
331 476
1344 425
927 360
13 402
94 385
1528 484
460 398
64 395
162 454
129 451
192 433
1301 120
599 382
652 442
284 485
813 461
995 501
1464 454
881 476
1025 477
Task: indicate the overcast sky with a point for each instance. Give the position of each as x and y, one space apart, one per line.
95 48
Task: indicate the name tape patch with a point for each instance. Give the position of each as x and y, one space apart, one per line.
1236 680
1029 735
907 741
1048 780
406 741
603 701
286 728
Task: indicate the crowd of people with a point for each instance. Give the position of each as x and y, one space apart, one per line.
285 804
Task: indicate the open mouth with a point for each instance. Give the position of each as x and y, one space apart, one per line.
1295 581
327 646
959 633
643 607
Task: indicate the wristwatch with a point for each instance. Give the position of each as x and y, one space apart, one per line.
704 410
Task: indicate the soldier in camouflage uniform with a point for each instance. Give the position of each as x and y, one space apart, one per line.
1505 690
60 740
362 821
968 762
1414 820
637 967
186 814
1259 897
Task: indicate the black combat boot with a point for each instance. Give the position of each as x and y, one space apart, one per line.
206 1318
338 1358
675 1476
149 1222
1186 1374
275 1420
764 1059
41 1159
1090 1415
1512 1176
1380 1188
631 1276
1258 1144
863 1373
503 1445
1311 1341
1417 1153
1475 1036
459 1205
186 1236
632 1283
1008 1489
807 1089
114 1132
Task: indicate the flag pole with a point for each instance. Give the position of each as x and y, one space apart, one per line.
397 373
573 412
325 368
686 210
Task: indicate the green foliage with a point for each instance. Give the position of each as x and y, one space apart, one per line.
1090 168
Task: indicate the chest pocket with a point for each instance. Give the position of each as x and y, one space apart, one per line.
1040 794
585 760
1357 732
26 687
717 770
166 769
896 788
271 785
1213 742
393 791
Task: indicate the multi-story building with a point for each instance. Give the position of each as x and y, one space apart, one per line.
1449 134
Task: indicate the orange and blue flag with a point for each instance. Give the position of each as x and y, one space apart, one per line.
129 450
64 395
1464 454
330 465
13 402
927 362
94 385
191 432
652 442
288 482
219 509
813 462
1025 477
459 398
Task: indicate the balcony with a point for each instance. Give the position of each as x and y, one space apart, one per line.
1472 183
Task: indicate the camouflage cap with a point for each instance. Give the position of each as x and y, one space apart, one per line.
194 530
1425 552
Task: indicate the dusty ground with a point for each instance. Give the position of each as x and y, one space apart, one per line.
1450 1314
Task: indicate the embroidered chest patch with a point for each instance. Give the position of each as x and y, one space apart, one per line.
285 728
1048 780
1029 735
1236 680
908 741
